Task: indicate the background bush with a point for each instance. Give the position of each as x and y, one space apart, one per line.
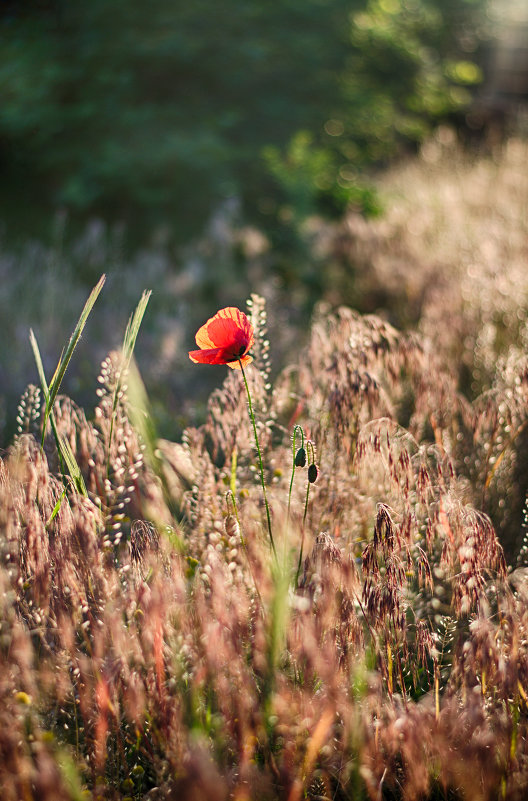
156 113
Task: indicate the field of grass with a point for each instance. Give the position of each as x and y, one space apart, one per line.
154 646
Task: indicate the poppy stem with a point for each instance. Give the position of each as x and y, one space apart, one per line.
252 416
299 564
310 452
295 429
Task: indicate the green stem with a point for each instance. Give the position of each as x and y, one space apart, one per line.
310 452
252 416
299 565
293 469
309 445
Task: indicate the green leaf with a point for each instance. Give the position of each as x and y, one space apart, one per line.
56 381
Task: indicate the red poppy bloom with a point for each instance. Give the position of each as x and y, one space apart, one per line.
224 339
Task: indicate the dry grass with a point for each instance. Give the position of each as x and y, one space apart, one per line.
152 648
449 256
153 655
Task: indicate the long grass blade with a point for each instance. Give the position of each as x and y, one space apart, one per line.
68 353
45 389
40 366
73 468
133 327
56 508
66 457
141 419
129 343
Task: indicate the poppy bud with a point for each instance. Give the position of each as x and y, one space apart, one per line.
300 458
313 472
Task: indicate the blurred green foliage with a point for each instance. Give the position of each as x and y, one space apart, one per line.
154 112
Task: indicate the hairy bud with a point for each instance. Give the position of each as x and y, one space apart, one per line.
313 472
300 458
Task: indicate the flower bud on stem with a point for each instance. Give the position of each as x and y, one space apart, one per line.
297 462
313 472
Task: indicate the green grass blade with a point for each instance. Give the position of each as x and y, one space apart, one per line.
40 367
45 389
66 457
133 326
70 775
141 419
129 343
68 353
73 468
56 508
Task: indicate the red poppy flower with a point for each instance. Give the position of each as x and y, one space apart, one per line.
224 339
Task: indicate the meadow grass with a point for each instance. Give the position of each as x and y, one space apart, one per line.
153 647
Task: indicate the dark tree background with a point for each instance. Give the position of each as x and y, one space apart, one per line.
154 112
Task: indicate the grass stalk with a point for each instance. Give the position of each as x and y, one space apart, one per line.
259 454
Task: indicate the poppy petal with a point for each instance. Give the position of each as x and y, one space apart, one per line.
243 323
224 339
208 356
225 332
236 365
203 339
223 325
229 324
232 313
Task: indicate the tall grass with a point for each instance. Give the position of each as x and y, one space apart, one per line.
151 656
448 255
151 646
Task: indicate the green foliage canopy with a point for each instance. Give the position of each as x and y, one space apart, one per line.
155 112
